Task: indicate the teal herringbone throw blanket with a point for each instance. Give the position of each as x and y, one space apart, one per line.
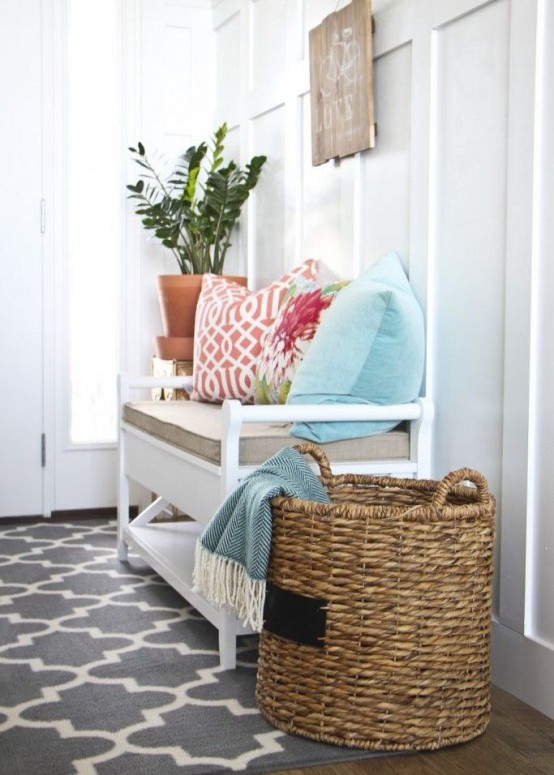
232 552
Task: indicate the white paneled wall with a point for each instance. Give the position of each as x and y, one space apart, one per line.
386 216
169 72
461 184
268 137
450 186
470 104
540 553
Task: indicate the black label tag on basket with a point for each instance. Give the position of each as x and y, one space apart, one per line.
295 617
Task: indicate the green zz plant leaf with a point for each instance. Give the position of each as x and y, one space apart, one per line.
194 211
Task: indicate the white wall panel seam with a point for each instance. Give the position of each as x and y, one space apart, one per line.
515 462
540 204
247 254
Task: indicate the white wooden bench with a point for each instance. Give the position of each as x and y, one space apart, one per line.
193 455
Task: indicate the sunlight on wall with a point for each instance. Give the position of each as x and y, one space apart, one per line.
94 209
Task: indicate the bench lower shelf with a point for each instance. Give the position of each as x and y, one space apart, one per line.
168 548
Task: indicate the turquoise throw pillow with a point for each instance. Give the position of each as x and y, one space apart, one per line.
368 349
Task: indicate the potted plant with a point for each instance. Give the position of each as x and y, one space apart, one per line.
193 213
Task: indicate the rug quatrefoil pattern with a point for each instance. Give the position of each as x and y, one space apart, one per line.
105 669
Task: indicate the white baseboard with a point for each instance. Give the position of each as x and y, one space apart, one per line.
523 667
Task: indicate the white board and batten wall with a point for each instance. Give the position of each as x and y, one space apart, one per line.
461 184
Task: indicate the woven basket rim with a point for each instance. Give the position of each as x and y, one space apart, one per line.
422 513
385 496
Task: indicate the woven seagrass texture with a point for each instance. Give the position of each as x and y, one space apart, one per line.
406 569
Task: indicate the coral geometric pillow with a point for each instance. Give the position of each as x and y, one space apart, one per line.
230 324
289 338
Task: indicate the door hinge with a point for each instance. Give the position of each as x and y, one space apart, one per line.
43 450
42 215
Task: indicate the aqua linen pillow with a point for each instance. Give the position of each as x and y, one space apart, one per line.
369 349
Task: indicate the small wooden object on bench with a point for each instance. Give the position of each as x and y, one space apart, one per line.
163 368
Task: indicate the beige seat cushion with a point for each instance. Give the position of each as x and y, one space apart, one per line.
195 427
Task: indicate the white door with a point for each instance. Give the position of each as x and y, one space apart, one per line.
57 430
21 277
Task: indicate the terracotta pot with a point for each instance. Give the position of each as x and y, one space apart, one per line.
178 296
175 348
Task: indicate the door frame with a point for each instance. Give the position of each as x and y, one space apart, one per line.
52 177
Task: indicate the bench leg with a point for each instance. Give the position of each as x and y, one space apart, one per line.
122 518
227 641
122 550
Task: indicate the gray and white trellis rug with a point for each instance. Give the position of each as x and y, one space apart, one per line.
105 669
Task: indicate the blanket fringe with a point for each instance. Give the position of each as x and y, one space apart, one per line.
225 582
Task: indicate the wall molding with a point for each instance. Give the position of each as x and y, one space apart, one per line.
524 667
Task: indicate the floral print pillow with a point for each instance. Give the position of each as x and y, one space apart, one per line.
287 340
229 328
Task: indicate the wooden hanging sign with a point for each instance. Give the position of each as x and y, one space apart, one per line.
341 83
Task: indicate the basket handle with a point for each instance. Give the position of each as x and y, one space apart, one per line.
456 477
321 459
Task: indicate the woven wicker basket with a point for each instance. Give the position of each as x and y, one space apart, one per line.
404 570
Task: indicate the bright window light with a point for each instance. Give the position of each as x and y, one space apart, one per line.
94 191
